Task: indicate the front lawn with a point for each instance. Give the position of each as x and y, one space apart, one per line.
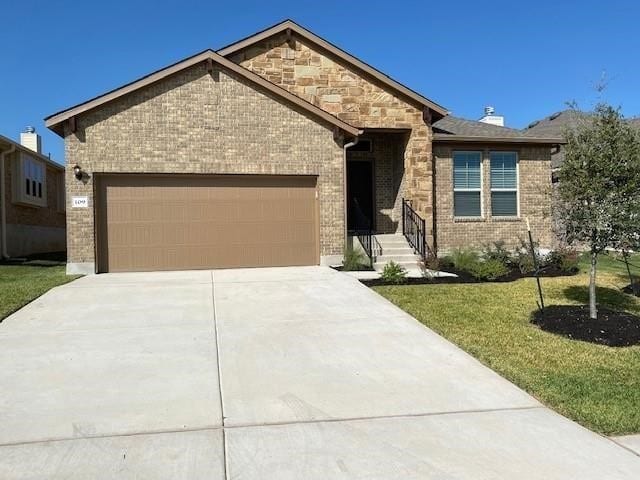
19 284
595 385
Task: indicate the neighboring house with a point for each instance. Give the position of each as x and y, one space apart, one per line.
32 202
556 125
269 151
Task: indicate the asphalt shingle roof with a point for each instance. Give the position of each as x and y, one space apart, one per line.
470 130
555 125
461 126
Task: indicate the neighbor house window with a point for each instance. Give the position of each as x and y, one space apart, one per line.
504 184
33 171
467 184
30 184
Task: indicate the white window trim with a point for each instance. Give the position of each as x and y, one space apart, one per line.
19 194
517 189
481 189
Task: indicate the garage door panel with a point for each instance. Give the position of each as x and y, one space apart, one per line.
150 222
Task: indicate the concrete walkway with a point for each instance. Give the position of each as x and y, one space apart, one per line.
293 373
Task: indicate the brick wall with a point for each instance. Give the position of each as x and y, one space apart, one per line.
49 216
338 88
534 195
194 122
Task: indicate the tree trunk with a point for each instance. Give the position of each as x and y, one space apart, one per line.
593 310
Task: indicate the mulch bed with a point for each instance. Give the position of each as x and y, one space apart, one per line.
465 277
612 328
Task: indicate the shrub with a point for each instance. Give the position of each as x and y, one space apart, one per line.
394 273
565 259
523 257
491 269
464 258
354 260
498 252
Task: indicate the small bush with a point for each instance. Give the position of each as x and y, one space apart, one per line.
488 270
394 273
565 259
498 252
354 260
464 258
523 258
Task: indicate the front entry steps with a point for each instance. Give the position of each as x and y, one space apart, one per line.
396 248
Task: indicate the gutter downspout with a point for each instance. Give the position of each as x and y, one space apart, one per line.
344 184
3 195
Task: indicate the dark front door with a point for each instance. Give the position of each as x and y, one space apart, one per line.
360 195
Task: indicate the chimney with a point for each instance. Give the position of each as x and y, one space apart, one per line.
30 139
490 117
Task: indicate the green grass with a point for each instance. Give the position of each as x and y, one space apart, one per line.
595 385
611 263
19 284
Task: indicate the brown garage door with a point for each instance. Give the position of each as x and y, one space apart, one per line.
148 222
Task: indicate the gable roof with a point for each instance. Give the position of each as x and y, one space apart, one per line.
455 129
56 121
294 28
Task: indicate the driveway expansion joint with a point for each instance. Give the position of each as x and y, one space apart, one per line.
113 435
382 417
225 460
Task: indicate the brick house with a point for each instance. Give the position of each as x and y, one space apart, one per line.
272 151
32 202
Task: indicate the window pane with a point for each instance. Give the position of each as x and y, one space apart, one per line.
466 170
504 204
466 204
503 170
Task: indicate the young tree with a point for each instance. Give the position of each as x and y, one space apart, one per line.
599 186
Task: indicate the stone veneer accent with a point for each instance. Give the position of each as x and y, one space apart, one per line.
200 123
331 84
534 195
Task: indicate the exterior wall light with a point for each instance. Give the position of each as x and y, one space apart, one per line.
77 171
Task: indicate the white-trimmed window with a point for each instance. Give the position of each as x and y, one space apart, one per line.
504 184
30 184
467 184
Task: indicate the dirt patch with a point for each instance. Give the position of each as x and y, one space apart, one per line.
612 328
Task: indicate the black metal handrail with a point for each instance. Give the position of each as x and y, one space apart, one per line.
369 243
414 228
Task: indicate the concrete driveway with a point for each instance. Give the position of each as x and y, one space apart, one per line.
292 373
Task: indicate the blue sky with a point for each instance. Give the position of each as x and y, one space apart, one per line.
525 58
